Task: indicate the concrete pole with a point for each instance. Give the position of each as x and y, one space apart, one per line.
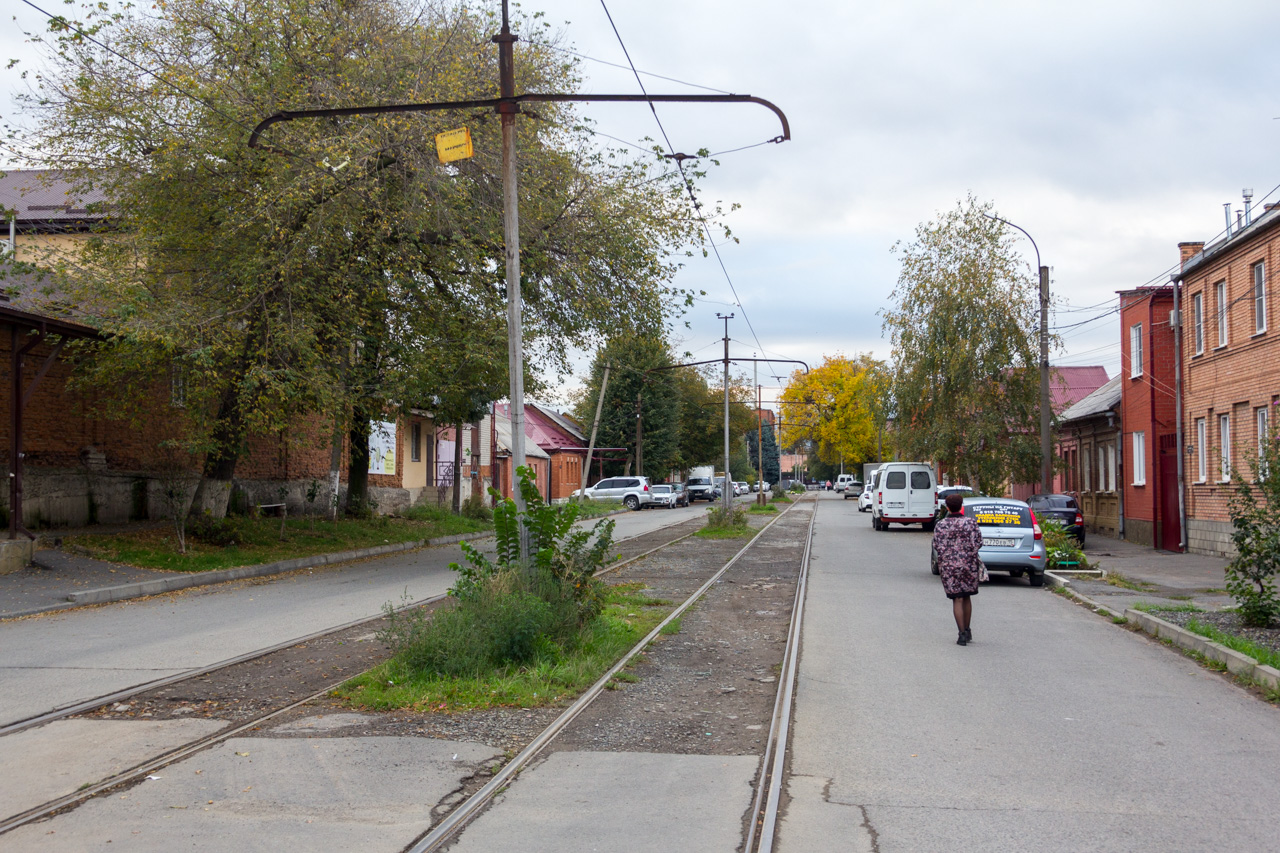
595 425
728 484
1046 413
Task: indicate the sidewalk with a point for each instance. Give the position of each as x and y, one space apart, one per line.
1162 576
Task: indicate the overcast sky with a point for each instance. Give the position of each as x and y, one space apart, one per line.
1108 130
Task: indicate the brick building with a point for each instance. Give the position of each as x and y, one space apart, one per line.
1088 443
1148 471
1231 366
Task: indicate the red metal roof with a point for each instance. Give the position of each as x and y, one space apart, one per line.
1070 385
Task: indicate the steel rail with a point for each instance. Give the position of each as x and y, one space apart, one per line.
87 705
764 813
456 819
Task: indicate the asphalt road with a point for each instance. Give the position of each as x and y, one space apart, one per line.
70 656
1054 730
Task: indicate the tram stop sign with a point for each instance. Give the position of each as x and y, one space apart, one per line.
454 145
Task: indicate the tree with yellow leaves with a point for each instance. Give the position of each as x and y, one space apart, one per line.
835 406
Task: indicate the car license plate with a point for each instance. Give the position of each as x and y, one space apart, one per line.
998 543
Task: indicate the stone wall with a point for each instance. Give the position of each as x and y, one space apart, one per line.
1210 537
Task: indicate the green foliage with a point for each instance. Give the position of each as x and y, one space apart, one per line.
722 523
474 507
772 472
218 532
1062 549
1255 521
1261 654
964 329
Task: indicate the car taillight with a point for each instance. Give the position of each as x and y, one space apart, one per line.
1079 518
1037 533
646 487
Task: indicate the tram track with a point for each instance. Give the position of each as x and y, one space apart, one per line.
645 543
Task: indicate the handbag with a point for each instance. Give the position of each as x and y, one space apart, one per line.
983 577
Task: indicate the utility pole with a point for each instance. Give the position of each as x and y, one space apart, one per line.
639 437
595 425
760 500
728 491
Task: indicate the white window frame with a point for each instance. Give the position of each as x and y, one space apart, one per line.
1111 466
1224 448
1220 298
1086 470
1102 469
1202 450
1197 305
1261 421
1135 350
1139 459
1259 297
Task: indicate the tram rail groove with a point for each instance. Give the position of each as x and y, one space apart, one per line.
150 765
459 817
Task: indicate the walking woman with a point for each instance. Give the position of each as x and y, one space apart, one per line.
956 540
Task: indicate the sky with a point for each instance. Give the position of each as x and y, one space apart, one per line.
1109 131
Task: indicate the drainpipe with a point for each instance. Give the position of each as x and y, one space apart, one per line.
1178 407
1153 449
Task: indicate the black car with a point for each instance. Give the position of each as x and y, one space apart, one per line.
1061 508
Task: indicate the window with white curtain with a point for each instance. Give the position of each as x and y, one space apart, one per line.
1261 416
1139 458
1259 297
1224 447
1220 295
1111 466
1103 486
1197 309
1202 455
1135 349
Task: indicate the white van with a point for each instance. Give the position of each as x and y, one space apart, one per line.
905 493
843 481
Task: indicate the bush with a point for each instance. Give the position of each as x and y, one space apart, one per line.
218 532
778 491
1255 522
475 509
1062 549
720 518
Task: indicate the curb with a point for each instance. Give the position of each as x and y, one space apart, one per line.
1236 663
170 584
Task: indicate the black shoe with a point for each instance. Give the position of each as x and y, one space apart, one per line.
968 635
962 640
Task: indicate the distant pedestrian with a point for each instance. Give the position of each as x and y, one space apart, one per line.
956 540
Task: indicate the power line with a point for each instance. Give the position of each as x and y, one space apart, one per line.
624 67
697 207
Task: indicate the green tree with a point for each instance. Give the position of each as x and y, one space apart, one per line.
963 326
771 471
298 279
1255 522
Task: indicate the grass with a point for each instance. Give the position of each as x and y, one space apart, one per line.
1124 583
598 507
550 680
672 627
1261 654
258 540
735 532
762 508
1147 607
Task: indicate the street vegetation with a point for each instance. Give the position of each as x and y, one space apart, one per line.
1255 521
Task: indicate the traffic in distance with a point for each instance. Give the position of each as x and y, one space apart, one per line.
637 492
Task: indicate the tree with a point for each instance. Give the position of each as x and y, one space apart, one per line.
297 279
834 405
771 471
964 326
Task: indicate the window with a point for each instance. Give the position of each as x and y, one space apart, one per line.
1202 457
1259 297
1197 306
1087 470
1135 349
1139 458
415 442
1102 469
1260 418
1224 446
896 480
1220 294
921 480
1111 466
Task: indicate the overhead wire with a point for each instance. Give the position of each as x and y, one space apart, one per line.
697 206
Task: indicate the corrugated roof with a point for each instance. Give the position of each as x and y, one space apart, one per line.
1070 385
43 195
503 424
1104 399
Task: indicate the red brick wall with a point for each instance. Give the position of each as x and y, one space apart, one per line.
1148 402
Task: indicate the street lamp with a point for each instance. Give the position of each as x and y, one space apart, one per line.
1046 438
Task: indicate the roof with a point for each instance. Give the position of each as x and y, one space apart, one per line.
45 196
1104 399
566 423
502 423
1269 219
546 431
1070 385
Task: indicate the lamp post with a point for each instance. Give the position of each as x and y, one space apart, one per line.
728 483
1046 437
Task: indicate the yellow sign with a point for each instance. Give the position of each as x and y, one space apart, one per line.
454 145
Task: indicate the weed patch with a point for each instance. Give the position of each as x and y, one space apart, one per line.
1125 583
1259 653
1148 607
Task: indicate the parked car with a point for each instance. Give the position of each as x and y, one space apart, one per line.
632 491
864 499
741 488
1011 538
843 481
700 489
943 491
1063 508
852 489
663 496
905 494
682 494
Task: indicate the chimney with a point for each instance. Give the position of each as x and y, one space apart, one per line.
1247 192
1226 211
1189 250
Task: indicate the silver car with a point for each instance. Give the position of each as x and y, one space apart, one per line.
663 496
1011 538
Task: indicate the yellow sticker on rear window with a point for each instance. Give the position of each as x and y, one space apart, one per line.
998 519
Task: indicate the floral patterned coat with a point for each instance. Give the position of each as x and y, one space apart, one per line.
956 539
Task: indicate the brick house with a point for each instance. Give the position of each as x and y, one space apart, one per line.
1149 448
1088 441
1231 367
73 466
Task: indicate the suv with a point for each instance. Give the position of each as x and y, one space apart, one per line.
700 489
632 491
